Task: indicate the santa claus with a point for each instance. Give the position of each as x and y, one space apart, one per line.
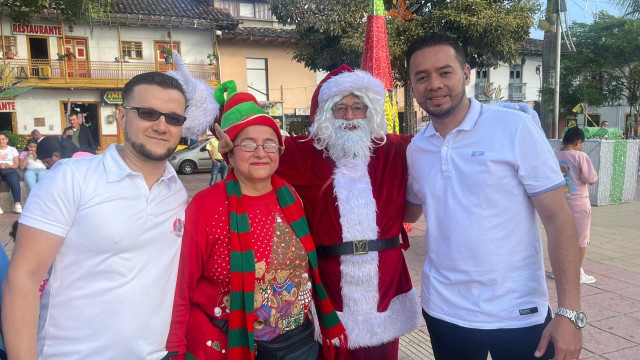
351 176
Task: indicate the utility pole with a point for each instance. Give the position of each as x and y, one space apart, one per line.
560 6
548 47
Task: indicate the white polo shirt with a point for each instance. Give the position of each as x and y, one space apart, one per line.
484 267
110 294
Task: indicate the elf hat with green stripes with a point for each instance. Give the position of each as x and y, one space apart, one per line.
241 110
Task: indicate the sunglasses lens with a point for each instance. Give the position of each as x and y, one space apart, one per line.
175 119
148 114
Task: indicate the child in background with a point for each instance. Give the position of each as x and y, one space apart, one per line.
578 172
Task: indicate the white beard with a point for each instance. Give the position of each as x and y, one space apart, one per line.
348 144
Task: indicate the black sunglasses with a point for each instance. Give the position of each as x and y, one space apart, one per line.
153 115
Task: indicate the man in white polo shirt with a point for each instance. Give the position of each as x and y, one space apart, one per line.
480 173
109 227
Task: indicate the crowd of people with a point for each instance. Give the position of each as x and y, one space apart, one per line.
297 252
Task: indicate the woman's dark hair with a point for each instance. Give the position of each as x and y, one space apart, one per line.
30 141
4 133
54 144
572 135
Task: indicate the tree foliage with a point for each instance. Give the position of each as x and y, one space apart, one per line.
604 70
630 8
74 11
331 32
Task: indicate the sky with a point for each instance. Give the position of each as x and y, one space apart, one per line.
582 11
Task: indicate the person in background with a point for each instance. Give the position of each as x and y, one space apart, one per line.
217 162
604 124
578 171
79 134
35 168
282 131
9 162
35 134
52 149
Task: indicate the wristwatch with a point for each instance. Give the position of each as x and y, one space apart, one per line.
578 318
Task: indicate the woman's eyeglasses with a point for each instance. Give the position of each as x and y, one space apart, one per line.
340 110
252 147
153 115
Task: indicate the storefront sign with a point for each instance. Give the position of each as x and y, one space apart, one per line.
7 106
275 111
303 111
113 97
35 29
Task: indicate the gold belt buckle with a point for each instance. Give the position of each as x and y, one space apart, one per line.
360 247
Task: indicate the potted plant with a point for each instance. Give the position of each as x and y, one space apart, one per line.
213 59
61 56
167 52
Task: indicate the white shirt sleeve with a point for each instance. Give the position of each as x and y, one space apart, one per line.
52 204
538 167
412 196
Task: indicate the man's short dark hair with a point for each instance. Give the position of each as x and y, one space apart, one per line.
572 136
434 39
151 78
53 144
34 132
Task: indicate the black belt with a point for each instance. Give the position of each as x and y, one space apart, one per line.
358 247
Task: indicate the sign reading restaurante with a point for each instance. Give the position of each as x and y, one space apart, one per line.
35 29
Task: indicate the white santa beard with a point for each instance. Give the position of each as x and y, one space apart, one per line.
350 144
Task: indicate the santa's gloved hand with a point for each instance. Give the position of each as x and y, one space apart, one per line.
224 142
202 108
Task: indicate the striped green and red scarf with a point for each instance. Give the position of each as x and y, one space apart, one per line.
241 319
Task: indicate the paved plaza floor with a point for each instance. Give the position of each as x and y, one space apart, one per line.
612 303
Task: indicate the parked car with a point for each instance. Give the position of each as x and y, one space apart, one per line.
193 158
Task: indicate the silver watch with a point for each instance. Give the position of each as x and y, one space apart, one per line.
578 318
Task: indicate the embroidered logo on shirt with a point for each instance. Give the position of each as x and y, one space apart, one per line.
477 153
178 227
528 311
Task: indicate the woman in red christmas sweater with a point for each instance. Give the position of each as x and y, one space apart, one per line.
248 270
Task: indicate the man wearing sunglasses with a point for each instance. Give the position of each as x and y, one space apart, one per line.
109 228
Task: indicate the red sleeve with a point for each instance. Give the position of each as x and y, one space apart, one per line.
192 258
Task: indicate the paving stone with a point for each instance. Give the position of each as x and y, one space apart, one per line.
624 326
615 302
631 292
596 312
607 283
599 341
626 275
632 353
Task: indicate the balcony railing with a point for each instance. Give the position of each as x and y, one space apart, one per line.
517 91
101 70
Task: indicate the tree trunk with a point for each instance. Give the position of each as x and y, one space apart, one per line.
409 121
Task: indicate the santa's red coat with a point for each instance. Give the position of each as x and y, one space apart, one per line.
309 170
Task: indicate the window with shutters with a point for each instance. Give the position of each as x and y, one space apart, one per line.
132 49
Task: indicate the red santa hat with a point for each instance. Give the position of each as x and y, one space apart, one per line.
343 81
